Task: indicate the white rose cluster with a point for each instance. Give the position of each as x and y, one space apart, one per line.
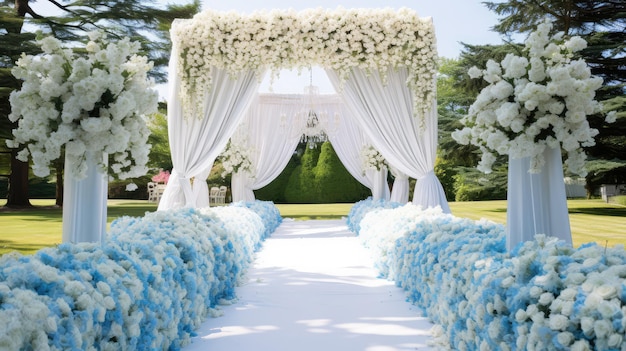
534 102
341 39
372 159
84 104
236 158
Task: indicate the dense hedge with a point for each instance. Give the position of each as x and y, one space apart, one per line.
333 182
322 178
275 191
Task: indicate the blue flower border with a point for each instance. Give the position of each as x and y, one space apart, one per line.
148 287
544 295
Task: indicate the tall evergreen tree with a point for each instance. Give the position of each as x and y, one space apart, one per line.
603 25
456 91
140 20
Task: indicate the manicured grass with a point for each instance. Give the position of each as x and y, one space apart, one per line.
29 230
590 220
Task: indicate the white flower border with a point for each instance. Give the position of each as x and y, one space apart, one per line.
341 39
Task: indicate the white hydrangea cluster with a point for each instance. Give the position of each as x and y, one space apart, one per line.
372 159
236 158
91 104
534 102
371 39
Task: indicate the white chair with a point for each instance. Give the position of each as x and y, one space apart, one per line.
160 189
221 198
214 194
152 193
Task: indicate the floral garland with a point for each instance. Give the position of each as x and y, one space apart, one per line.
373 40
535 102
236 158
372 159
90 104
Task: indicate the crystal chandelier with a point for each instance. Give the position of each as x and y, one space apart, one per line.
313 133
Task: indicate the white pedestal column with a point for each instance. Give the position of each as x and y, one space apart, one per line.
536 202
85 204
239 189
380 188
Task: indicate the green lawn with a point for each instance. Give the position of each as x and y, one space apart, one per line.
590 220
29 230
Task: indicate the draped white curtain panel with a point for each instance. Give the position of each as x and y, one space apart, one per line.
272 129
385 112
196 141
369 112
400 191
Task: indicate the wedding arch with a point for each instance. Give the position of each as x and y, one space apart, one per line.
381 61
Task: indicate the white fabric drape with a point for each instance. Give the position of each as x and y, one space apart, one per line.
348 141
201 189
196 141
536 202
271 129
385 112
400 190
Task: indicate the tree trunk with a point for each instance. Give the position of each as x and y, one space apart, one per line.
18 180
18 183
58 165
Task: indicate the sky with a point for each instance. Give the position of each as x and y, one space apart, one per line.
456 21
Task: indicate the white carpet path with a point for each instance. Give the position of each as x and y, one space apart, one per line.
313 287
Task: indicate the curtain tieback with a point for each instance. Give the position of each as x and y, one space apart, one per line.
428 174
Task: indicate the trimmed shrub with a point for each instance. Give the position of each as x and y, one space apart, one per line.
301 185
334 182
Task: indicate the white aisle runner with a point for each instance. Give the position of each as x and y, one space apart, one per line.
312 287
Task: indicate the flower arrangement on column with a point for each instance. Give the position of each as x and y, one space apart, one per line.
235 159
535 105
375 166
88 108
371 159
535 102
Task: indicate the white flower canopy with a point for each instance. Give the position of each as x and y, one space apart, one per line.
383 63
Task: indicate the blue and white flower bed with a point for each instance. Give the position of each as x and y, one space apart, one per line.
363 207
149 287
544 295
